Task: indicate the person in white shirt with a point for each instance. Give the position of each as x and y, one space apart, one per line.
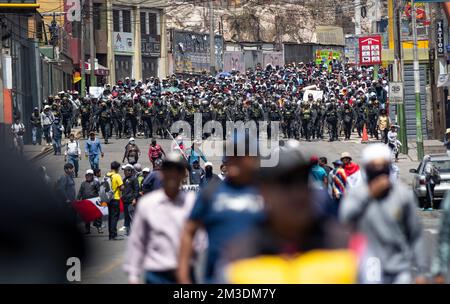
18 130
153 245
47 119
72 153
223 171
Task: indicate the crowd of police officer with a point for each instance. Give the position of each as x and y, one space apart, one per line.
311 101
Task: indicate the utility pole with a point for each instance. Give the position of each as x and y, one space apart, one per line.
357 17
419 135
91 44
212 55
82 57
398 77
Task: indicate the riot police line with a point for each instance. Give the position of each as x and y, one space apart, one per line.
350 98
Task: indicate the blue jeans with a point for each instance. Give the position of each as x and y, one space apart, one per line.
94 160
57 145
160 277
73 159
47 133
36 134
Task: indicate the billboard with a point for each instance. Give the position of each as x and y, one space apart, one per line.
370 49
191 52
233 61
123 42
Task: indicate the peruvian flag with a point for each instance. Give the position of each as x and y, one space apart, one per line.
90 209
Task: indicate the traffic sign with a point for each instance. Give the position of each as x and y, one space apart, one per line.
395 92
370 50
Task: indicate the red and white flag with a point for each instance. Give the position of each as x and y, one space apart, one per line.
90 209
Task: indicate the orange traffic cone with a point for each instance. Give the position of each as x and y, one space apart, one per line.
365 137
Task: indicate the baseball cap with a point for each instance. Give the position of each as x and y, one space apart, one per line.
131 139
128 166
146 169
338 162
208 164
89 171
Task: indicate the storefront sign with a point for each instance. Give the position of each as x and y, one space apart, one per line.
440 37
123 42
150 46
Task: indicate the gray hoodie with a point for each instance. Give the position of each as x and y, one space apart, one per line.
391 226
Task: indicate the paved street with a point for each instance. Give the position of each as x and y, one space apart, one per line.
106 257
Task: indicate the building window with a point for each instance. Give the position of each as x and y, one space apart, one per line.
152 24
97 16
126 21
116 20
143 23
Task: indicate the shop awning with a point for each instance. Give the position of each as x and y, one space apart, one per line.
100 70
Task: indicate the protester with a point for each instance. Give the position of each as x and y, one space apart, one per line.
195 154
145 173
130 194
90 189
65 185
57 131
319 177
196 173
132 152
18 131
208 176
154 180
393 142
295 243
97 174
36 127
223 171
440 261
47 119
386 214
138 174
337 180
117 187
384 123
323 162
154 241
432 178
351 169
155 152
93 150
73 152
225 210
38 234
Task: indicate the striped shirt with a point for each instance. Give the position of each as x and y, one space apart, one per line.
337 182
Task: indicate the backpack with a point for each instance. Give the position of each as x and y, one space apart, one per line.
106 193
435 175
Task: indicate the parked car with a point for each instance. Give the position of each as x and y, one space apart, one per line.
442 162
